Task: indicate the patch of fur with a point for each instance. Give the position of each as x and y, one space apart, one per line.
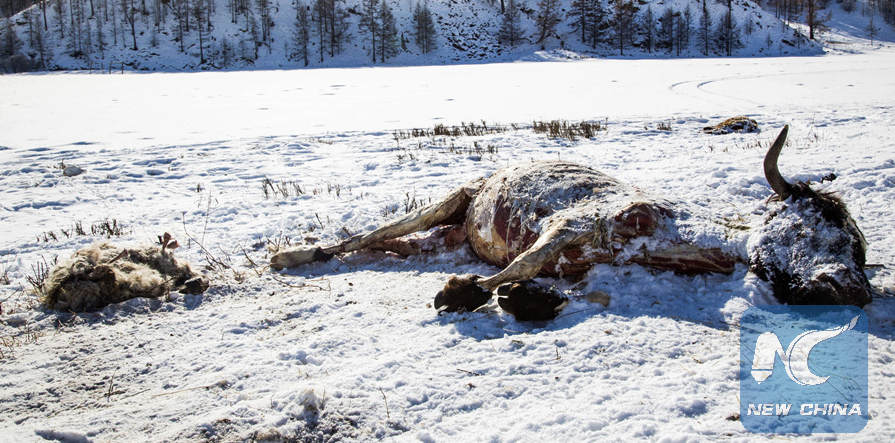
104 273
733 124
809 238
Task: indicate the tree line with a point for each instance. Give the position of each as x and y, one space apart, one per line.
624 24
86 29
320 29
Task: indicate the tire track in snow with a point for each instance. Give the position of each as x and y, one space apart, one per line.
700 91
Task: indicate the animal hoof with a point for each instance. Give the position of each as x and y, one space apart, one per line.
529 301
298 256
461 294
195 285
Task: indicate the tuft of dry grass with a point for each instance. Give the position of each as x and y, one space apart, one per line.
283 189
463 130
39 273
26 335
105 228
567 130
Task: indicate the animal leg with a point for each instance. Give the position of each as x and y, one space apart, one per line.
450 209
529 263
526 300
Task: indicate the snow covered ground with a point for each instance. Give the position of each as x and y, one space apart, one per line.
350 349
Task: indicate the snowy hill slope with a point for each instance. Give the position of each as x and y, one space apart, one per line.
466 31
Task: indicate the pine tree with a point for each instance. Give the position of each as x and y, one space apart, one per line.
76 34
815 18
666 34
510 32
10 58
648 27
588 17
320 27
424 28
301 36
547 20
369 23
704 33
39 37
199 14
578 13
623 24
10 43
264 21
59 10
254 34
331 26
683 26
872 29
727 35
101 35
388 33
129 12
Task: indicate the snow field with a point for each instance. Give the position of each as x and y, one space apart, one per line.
349 349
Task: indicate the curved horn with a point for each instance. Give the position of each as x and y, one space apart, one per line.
771 173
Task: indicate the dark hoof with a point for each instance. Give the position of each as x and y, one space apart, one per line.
195 285
529 301
461 294
298 256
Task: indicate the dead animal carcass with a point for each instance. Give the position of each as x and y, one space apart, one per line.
104 273
558 218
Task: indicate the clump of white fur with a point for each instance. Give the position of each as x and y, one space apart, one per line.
104 273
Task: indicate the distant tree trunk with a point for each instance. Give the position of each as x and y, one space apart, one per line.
424 28
704 36
320 22
649 28
301 36
815 18
547 20
198 12
59 9
388 33
665 35
43 9
369 23
872 29
623 23
130 17
510 31
579 12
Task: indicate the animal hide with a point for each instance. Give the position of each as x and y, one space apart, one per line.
104 273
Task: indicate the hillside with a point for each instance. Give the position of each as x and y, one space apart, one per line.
260 34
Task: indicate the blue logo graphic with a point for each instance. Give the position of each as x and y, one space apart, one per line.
803 369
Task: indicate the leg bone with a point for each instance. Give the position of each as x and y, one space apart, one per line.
451 207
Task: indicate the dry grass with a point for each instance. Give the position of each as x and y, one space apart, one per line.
567 130
410 204
39 273
25 335
292 188
105 228
463 130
